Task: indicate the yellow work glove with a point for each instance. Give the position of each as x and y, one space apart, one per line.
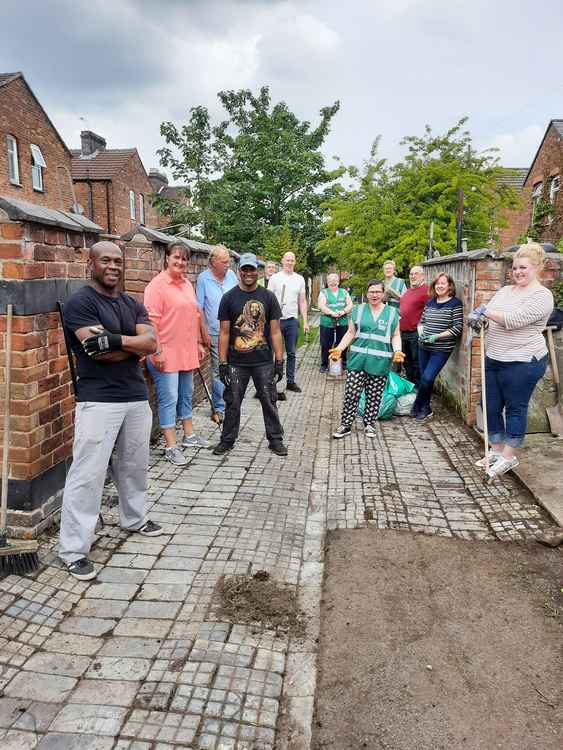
398 358
334 354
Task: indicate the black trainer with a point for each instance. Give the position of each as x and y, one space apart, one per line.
277 447
293 387
281 396
341 432
82 569
221 448
150 528
323 369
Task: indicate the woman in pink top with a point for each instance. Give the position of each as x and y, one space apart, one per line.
172 306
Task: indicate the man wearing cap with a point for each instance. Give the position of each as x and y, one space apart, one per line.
249 319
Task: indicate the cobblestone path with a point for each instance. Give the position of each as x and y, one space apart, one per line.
139 659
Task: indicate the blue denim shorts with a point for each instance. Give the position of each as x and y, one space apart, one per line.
174 393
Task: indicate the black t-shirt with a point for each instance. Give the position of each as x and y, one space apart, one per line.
249 314
111 382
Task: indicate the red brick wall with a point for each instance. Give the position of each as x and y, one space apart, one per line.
22 117
42 399
133 177
42 403
549 162
101 197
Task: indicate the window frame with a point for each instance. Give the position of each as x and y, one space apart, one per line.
38 164
537 191
13 159
141 208
132 214
555 180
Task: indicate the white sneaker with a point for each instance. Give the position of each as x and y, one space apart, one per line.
341 432
493 456
175 456
194 441
502 466
370 431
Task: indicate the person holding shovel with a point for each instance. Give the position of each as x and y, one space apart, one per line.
334 304
374 339
516 354
173 310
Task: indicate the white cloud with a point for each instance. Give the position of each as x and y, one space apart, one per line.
517 149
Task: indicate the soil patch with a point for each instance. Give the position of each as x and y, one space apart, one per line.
260 600
439 644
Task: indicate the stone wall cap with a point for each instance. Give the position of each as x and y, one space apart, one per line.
482 253
18 210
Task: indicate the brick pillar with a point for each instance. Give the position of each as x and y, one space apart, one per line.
39 265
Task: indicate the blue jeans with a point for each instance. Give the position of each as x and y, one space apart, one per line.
430 365
218 387
509 387
174 393
290 330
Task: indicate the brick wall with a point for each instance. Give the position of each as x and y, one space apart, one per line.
96 199
548 163
22 117
51 264
133 177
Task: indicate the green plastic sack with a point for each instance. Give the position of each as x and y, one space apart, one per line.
397 385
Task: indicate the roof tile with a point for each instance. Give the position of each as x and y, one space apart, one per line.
103 166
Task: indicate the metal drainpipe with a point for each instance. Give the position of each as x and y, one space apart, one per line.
108 206
90 200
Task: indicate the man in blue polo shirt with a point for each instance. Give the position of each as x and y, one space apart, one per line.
211 286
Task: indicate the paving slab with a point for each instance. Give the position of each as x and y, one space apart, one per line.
90 719
114 692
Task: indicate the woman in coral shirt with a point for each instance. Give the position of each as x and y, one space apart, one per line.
172 306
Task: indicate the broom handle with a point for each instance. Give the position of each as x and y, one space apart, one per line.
6 441
484 399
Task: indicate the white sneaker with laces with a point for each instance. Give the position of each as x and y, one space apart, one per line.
194 441
370 431
501 466
493 456
341 432
175 456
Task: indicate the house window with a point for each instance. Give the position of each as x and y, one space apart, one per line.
141 208
553 188
13 162
536 196
132 204
37 166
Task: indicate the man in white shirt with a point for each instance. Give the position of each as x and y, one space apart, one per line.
289 288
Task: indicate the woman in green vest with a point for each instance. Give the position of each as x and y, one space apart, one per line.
334 304
375 343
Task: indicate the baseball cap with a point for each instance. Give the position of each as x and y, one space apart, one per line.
248 259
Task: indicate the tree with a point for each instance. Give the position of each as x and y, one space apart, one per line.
259 168
278 241
389 210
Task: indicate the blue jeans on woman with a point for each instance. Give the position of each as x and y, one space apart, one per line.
174 393
509 387
431 362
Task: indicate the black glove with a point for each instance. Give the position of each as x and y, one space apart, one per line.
102 343
278 370
224 375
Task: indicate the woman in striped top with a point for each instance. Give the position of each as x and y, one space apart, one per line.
439 330
516 355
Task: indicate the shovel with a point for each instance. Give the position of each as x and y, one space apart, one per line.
554 413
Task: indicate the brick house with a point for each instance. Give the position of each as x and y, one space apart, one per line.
160 186
542 205
517 219
34 160
112 186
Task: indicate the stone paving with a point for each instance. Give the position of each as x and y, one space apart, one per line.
140 660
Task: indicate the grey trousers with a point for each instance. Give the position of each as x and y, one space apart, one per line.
98 428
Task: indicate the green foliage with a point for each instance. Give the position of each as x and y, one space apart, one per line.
543 209
389 210
558 293
261 168
277 241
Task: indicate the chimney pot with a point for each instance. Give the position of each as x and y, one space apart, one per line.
91 142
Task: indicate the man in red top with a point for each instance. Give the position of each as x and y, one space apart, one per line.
411 306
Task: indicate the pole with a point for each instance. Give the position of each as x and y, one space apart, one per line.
459 221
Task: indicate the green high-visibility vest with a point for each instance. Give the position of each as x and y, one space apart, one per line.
371 350
334 302
399 286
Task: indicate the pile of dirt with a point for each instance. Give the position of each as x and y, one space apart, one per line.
261 601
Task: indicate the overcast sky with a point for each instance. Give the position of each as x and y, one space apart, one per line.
395 65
